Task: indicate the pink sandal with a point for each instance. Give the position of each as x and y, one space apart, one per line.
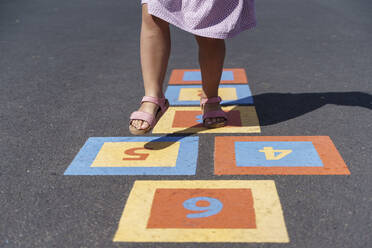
163 104
213 114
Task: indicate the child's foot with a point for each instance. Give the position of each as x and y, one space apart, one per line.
148 107
213 115
148 115
216 121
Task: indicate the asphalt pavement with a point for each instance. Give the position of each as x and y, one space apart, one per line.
70 70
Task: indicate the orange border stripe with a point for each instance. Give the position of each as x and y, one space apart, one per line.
240 76
225 164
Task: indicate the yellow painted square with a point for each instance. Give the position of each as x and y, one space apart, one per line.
156 154
248 115
269 216
193 94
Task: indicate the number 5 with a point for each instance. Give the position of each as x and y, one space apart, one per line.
137 156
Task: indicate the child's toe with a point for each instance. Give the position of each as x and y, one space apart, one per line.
137 124
133 123
144 125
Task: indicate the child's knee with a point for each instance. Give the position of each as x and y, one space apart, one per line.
211 43
152 22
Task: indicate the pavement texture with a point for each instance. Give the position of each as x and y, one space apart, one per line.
70 70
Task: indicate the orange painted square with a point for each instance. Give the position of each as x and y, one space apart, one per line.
240 76
168 212
225 163
185 119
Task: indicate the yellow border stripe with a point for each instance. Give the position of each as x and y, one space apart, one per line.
269 216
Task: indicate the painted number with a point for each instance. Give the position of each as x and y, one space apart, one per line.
272 154
199 118
134 155
214 207
200 93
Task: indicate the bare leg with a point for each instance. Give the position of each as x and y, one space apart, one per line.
155 50
211 58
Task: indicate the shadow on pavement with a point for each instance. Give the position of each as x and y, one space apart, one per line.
273 108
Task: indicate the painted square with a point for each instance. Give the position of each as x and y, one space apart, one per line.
193 76
277 155
202 208
155 212
190 95
241 119
136 156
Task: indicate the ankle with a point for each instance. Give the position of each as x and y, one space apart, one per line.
148 107
209 94
155 94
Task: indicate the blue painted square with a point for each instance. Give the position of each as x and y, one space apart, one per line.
196 76
243 93
185 164
304 154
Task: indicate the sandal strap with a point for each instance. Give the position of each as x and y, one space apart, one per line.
140 115
159 101
215 114
210 100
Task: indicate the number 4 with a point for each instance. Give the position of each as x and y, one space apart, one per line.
270 153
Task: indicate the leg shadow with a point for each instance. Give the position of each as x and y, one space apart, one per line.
273 108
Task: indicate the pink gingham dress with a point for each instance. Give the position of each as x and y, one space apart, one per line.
218 19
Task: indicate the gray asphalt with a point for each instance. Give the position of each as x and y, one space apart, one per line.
70 70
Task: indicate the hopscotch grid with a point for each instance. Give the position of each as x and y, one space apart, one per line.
207 232
193 235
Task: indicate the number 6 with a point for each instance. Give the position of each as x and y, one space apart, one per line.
214 207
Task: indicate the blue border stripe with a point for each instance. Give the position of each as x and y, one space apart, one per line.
196 76
185 164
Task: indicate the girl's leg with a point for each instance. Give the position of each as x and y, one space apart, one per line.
211 58
155 50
